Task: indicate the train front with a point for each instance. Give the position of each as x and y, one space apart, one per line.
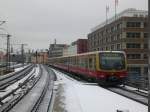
112 68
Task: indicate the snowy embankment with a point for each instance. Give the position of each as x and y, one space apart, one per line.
74 96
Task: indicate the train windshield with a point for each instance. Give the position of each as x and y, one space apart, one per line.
112 61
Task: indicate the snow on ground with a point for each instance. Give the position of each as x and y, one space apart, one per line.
20 68
16 70
73 96
35 72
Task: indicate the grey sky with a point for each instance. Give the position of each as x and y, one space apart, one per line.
38 22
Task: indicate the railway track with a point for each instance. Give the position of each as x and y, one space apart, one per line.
15 95
143 99
36 90
14 77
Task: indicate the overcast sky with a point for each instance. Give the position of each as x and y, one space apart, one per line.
39 22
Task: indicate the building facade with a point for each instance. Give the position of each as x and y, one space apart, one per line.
40 58
2 58
77 47
127 32
56 50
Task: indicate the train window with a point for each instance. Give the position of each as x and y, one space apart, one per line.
90 63
86 62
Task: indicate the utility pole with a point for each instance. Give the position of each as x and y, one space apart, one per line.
22 52
36 54
149 55
43 58
8 53
116 4
107 10
8 48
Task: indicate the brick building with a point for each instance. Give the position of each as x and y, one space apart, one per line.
77 47
127 32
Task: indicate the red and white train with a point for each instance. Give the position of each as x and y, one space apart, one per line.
105 67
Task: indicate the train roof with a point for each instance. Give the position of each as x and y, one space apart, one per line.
87 53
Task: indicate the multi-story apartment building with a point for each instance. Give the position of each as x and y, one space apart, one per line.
127 32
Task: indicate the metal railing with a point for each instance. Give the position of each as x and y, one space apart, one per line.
138 81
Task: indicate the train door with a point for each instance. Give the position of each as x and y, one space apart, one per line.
91 62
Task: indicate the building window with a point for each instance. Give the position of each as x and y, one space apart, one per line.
106 39
145 46
141 15
135 15
118 36
134 56
112 38
94 43
133 24
134 71
145 71
145 35
112 47
118 46
112 28
145 56
102 33
118 26
133 45
106 47
133 35
145 24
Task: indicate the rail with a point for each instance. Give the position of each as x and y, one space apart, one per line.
10 79
31 80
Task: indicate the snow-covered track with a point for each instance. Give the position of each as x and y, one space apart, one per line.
143 99
41 96
32 99
17 93
12 78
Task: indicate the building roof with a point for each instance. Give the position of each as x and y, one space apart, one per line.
131 12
